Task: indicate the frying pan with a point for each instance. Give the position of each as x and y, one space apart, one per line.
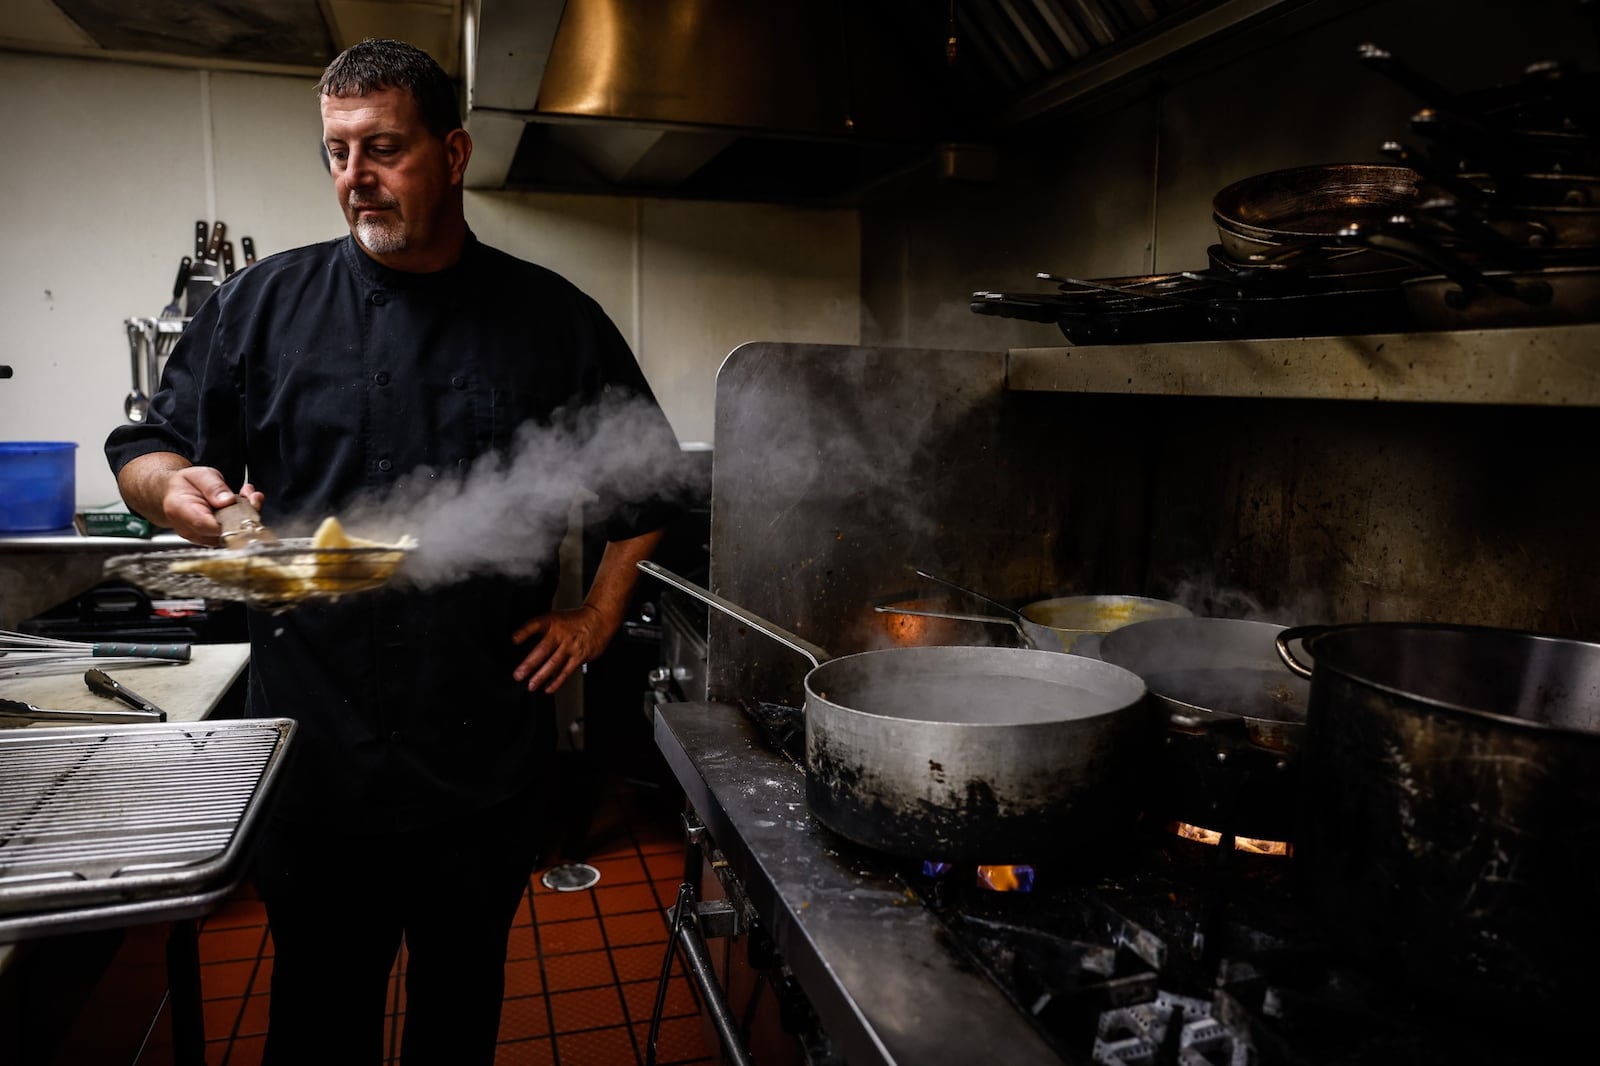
266 572
960 753
1310 204
1235 719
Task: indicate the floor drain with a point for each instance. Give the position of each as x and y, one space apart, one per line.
570 877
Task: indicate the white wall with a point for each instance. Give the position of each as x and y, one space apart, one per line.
108 166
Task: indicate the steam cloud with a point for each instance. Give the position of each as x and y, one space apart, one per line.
508 513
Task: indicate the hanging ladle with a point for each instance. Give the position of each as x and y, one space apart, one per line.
137 403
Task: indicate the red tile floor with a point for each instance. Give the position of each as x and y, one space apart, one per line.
581 970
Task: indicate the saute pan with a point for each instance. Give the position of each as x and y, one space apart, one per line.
1062 623
956 753
1235 719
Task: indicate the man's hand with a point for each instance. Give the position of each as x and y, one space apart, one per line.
166 489
574 637
569 639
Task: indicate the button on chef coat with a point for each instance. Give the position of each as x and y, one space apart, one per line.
331 378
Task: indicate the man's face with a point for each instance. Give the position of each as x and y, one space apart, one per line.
396 181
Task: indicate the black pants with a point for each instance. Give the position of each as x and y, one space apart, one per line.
338 906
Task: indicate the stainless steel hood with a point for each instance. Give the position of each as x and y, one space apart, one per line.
794 100
814 101
716 98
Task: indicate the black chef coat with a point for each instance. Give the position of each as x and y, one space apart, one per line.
331 378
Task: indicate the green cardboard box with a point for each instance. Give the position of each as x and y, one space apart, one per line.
111 524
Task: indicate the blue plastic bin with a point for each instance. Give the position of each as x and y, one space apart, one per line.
38 485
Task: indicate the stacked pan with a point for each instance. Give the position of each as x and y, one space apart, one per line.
1506 230
1493 222
1279 269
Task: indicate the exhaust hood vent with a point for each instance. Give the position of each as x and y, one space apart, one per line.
794 100
784 99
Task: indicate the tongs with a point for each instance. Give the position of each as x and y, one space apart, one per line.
256 567
103 684
15 713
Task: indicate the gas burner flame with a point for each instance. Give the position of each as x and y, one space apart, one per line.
1213 838
1006 878
906 630
993 878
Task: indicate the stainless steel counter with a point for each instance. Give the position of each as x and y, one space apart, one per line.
71 540
869 956
188 691
40 570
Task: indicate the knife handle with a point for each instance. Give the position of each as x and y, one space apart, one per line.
248 246
214 249
178 653
227 258
183 276
241 524
201 234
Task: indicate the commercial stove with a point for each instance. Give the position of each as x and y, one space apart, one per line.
1167 950
1296 481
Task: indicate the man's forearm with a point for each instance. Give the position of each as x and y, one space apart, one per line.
617 574
143 483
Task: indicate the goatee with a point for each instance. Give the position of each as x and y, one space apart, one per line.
381 235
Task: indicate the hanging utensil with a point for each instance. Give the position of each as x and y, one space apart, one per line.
248 246
136 404
173 309
152 352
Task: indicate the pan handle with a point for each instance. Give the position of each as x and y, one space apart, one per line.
1011 612
1120 290
1301 633
711 599
955 616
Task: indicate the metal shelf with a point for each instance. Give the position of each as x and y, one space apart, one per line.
1555 366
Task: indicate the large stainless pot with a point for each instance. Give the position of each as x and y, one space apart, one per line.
959 753
1235 720
1451 824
